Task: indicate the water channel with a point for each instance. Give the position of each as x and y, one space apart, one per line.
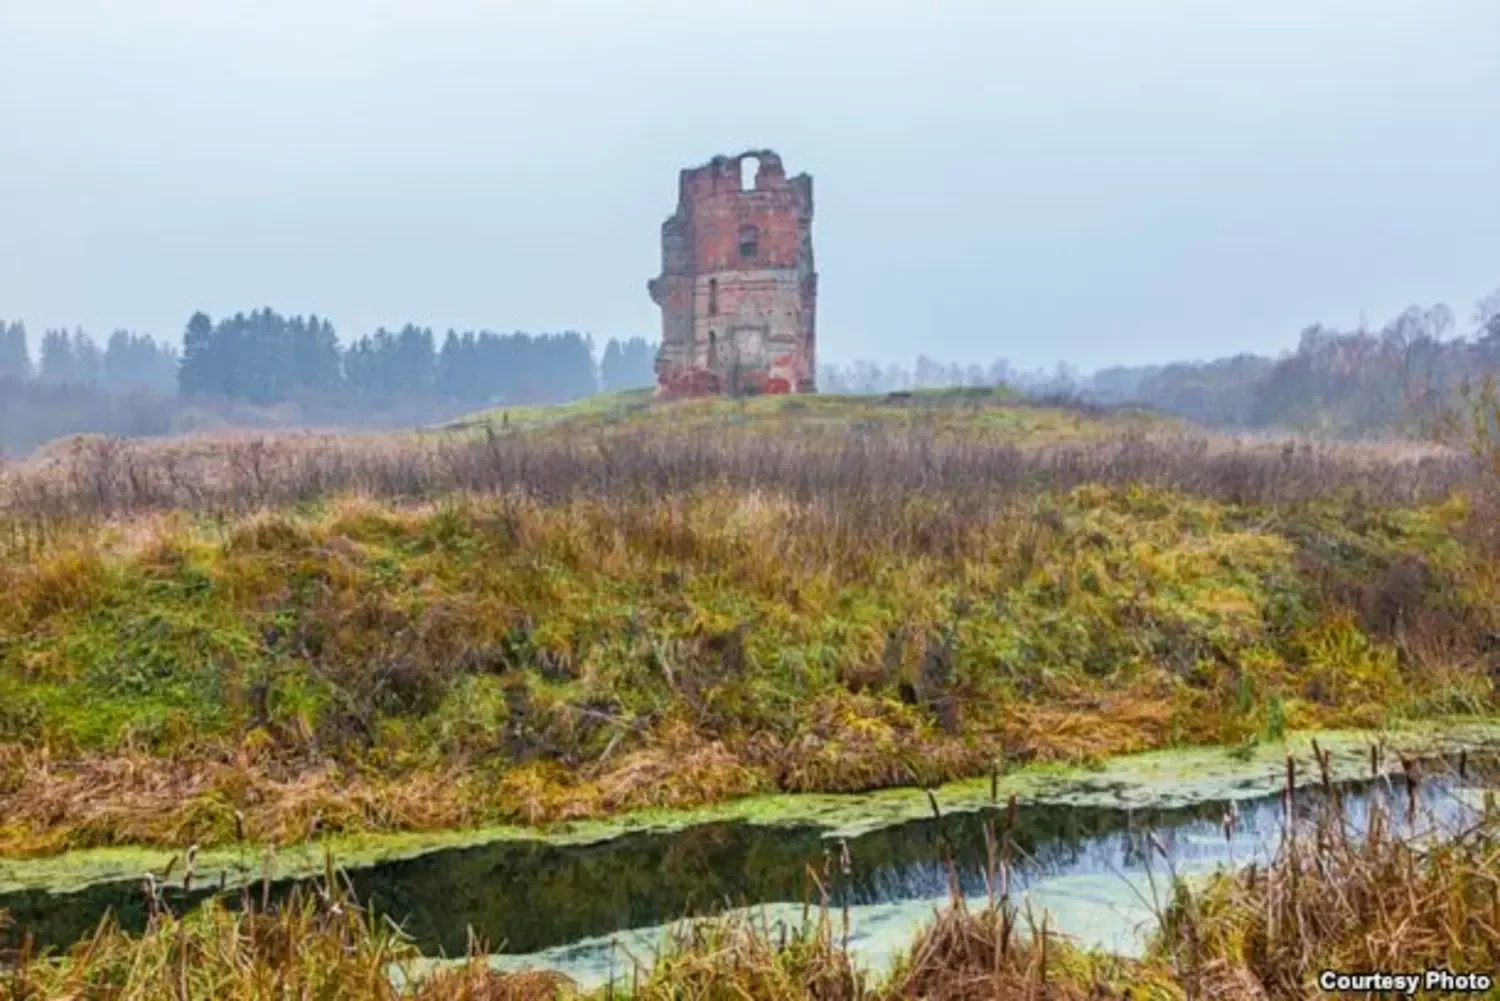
587 909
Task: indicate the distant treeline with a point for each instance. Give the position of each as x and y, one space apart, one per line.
927 373
263 368
127 362
264 357
1399 378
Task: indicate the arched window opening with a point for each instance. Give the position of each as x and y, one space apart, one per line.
749 167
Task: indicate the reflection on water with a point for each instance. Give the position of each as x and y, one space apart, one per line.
526 897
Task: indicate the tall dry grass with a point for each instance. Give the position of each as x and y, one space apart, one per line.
91 477
1403 893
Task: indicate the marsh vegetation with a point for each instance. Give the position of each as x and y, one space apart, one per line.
262 638
539 618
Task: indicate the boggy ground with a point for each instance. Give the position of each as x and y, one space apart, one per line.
259 639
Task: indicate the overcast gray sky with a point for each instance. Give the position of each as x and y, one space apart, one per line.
1100 181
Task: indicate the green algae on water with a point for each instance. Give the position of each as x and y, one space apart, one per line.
1154 779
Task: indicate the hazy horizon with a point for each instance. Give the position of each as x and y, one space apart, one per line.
1090 182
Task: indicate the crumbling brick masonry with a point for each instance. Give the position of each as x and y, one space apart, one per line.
737 290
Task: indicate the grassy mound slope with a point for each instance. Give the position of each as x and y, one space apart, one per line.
415 634
986 411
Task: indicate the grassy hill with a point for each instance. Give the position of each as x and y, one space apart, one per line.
981 410
524 416
621 603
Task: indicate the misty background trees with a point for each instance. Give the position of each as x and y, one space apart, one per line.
1395 379
264 369
265 358
126 363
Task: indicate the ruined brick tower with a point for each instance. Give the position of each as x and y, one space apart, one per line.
737 290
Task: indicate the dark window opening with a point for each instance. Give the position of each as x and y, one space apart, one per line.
749 242
713 297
